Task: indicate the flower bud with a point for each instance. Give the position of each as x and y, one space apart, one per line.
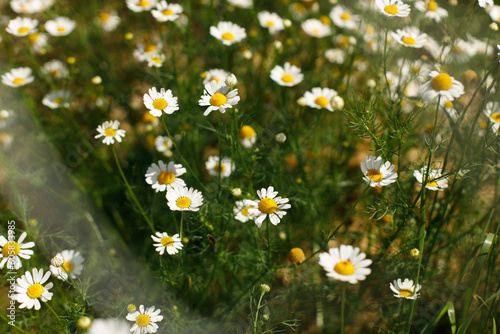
415 253
265 288
494 26
236 192
231 80
131 308
84 322
280 137
337 102
57 261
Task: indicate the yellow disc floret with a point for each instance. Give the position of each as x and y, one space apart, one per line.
166 177
287 78
441 82
23 30
408 40
268 205
11 248
375 175
391 9
168 12
219 168
345 16
35 291
183 202
244 211
344 268
321 101
167 241
160 104
143 320
495 116
110 132
431 182
432 6
406 292
247 132
18 81
227 36
218 100
68 266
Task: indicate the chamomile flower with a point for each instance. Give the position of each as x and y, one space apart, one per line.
269 205
73 265
494 13
405 289
172 244
27 6
57 99
228 33
155 59
441 84
316 28
109 130
342 17
484 3
346 264
410 37
60 26
22 26
55 68
431 10
319 98
108 20
29 289
163 177
272 21
289 75
112 326
138 6
241 210
145 320
184 199
163 144
218 96
376 173
241 3
433 179
166 12
216 75
449 108
247 136
18 77
38 41
160 101
215 166
492 111
144 51
393 8
13 251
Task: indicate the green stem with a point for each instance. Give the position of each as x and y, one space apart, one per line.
268 243
182 218
257 313
342 309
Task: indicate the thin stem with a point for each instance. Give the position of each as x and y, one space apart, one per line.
182 218
257 313
342 309
268 244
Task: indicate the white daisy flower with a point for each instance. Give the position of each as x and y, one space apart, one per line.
434 179
376 173
55 68
315 28
157 102
342 17
166 12
60 26
247 136
155 59
13 251
146 50
393 8
269 205
216 75
57 99
72 265
218 96
228 33
138 6
27 6
492 111
109 130
215 167
410 37
22 26
441 84
449 108
29 289
335 56
111 326
145 320
405 289
163 144
108 20
241 210
272 21
164 242
346 264
241 3
289 75
38 41
163 177
319 98
184 199
431 10
18 77
484 3
494 13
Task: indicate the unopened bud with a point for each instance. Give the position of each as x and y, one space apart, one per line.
494 26
280 137
96 80
131 308
57 261
264 288
84 322
236 192
415 253
302 101
337 102
231 80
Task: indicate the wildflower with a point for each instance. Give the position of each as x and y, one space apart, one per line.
231 80
131 308
57 261
138 6
163 177
241 3
483 3
155 59
55 68
345 264
280 137
145 320
393 8
431 10
184 199
315 28
376 173
236 192
247 136
494 13
38 41
272 21
114 326
109 130
288 76
415 253
241 210
166 12
160 101
410 37
216 75
22 26
73 265
296 255
337 102
493 26
13 251
441 84
18 77
60 26
449 108
264 288
492 111
57 99
269 205
216 167
433 180
163 144
319 98
342 17
29 289
228 33
84 322
218 96
164 242
108 21
405 289
144 51
27 6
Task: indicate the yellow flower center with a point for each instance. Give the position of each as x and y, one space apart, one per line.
104 17
33 37
431 182
35 291
157 60
432 6
11 248
270 24
149 47
54 73
315 31
344 268
321 101
495 116
218 100
18 81
244 211
68 266
247 132
345 16
375 175
167 241
483 124
268 205
391 9
160 104
57 100
23 30
61 29
166 177
227 36
408 40
167 12
143 319
110 132
325 20
219 168
441 82
287 78
143 3
406 292
448 104
183 202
